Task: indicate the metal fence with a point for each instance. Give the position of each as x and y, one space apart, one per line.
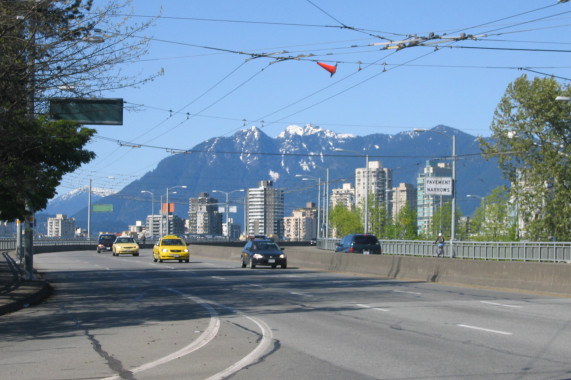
474 250
10 243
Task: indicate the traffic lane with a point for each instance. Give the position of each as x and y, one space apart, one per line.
425 321
115 321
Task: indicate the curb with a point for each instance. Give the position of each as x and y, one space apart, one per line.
25 294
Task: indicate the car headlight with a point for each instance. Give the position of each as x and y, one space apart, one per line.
164 250
283 256
186 250
257 256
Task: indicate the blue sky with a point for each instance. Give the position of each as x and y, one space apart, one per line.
213 87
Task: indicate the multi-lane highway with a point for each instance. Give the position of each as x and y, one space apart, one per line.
131 318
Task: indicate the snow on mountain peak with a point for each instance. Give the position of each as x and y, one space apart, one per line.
300 131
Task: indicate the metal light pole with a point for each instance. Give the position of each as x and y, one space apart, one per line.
89 209
227 193
453 211
366 227
168 205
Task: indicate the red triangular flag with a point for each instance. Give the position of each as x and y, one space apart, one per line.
329 68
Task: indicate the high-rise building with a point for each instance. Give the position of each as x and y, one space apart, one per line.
302 225
428 204
404 194
265 210
154 228
344 196
61 226
203 216
380 184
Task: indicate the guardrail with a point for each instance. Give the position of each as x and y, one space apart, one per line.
474 250
470 250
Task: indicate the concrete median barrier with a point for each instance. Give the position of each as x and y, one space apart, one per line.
554 278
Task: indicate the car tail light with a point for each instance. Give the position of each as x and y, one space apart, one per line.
351 249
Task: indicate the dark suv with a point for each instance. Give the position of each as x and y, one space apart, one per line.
105 242
359 243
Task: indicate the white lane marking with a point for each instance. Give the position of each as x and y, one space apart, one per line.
301 294
253 356
201 341
371 307
218 278
500 304
486 330
403 291
255 285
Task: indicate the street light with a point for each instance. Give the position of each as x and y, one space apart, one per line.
453 211
309 178
168 205
226 208
366 185
89 209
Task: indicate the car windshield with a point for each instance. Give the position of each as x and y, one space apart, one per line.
172 242
106 239
266 247
125 240
365 240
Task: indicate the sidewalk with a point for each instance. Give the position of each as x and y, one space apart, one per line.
16 292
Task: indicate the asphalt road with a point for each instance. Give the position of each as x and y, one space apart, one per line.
128 317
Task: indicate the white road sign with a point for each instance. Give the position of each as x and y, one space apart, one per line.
438 186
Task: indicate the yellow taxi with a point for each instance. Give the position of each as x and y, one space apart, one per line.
125 245
170 247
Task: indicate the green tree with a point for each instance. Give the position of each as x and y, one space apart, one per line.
530 137
33 162
441 221
344 221
379 219
55 48
495 219
405 224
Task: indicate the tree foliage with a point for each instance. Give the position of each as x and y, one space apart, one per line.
344 221
531 135
55 48
33 162
494 220
65 48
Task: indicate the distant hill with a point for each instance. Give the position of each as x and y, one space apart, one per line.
249 156
74 201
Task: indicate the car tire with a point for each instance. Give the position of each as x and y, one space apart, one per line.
154 259
284 266
135 254
160 260
187 261
252 265
243 263
274 266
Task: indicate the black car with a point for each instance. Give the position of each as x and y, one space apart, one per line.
359 243
105 242
263 252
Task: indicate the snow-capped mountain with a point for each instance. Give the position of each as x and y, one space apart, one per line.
249 156
77 199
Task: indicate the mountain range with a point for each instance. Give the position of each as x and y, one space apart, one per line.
249 156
